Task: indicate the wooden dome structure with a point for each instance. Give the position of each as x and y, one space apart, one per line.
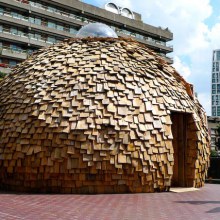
100 115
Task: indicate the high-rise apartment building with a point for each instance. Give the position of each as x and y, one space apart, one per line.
215 91
27 25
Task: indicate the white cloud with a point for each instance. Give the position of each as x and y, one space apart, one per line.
181 67
205 100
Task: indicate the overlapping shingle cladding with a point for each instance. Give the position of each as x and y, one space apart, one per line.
94 116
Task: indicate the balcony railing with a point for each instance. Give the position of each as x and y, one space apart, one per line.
86 20
30 36
13 50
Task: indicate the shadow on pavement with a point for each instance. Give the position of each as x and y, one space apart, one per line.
215 210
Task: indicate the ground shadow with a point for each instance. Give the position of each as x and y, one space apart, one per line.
215 210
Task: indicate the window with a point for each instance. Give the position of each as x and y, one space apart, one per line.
213 88
51 9
72 30
12 63
51 39
14 14
67 28
218 55
217 66
218 88
31 19
214 111
218 111
1 11
37 21
14 31
51 24
60 27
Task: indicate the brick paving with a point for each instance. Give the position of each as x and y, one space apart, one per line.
196 205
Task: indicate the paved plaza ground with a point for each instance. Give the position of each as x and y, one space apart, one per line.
195 205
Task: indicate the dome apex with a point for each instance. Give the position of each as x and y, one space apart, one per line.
96 30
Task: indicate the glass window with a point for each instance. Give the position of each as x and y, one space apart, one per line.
214 111
51 9
214 86
60 27
218 88
72 30
31 19
67 28
218 111
1 11
14 31
51 24
31 35
14 14
213 91
51 39
37 36
37 21
12 63
218 55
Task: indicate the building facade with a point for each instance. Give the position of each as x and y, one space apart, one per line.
26 26
215 91
213 124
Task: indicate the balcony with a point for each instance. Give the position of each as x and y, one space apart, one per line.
13 53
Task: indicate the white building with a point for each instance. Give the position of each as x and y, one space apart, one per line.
215 83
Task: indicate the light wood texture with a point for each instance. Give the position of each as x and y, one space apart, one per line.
94 116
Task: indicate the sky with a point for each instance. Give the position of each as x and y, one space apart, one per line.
196 29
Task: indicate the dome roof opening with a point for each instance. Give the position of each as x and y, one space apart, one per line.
96 30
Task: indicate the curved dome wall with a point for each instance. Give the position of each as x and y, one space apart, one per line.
95 116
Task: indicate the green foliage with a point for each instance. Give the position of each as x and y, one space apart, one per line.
214 153
2 75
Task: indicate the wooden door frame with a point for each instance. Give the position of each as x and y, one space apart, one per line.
179 131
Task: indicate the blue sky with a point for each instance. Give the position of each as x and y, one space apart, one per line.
196 28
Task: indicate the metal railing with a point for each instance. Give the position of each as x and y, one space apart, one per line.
13 50
86 20
30 19
28 35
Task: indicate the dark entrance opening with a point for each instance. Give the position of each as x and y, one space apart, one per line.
179 130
